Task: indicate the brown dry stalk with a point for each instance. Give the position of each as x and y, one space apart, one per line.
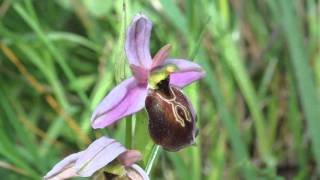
4 7
70 121
11 167
41 89
82 14
12 57
36 130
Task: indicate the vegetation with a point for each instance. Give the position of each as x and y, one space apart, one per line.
258 106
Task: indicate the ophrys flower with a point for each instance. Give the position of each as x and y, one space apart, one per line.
161 77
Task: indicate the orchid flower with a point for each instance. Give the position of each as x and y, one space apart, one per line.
130 95
96 157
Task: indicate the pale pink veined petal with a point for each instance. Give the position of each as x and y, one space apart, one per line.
99 154
138 40
187 73
64 169
125 99
159 59
140 171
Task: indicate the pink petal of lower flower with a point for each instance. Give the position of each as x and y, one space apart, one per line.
188 72
138 40
126 98
140 171
99 154
64 169
65 174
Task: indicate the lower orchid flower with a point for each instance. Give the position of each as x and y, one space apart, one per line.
97 159
155 85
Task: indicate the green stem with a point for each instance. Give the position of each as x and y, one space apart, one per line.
152 159
129 133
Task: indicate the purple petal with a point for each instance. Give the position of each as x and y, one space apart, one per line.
137 41
64 169
161 56
126 98
100 153
188 72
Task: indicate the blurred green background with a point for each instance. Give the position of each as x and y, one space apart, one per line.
258 106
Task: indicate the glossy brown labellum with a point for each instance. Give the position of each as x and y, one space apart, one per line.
171 117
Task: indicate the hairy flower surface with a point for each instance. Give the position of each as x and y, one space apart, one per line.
97 156
130 95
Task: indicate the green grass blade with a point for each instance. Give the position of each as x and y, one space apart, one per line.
303 75
152 158
52 49
239 147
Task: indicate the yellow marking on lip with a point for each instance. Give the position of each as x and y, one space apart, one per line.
160 74
170 68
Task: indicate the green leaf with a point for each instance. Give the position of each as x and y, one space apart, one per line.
98 8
